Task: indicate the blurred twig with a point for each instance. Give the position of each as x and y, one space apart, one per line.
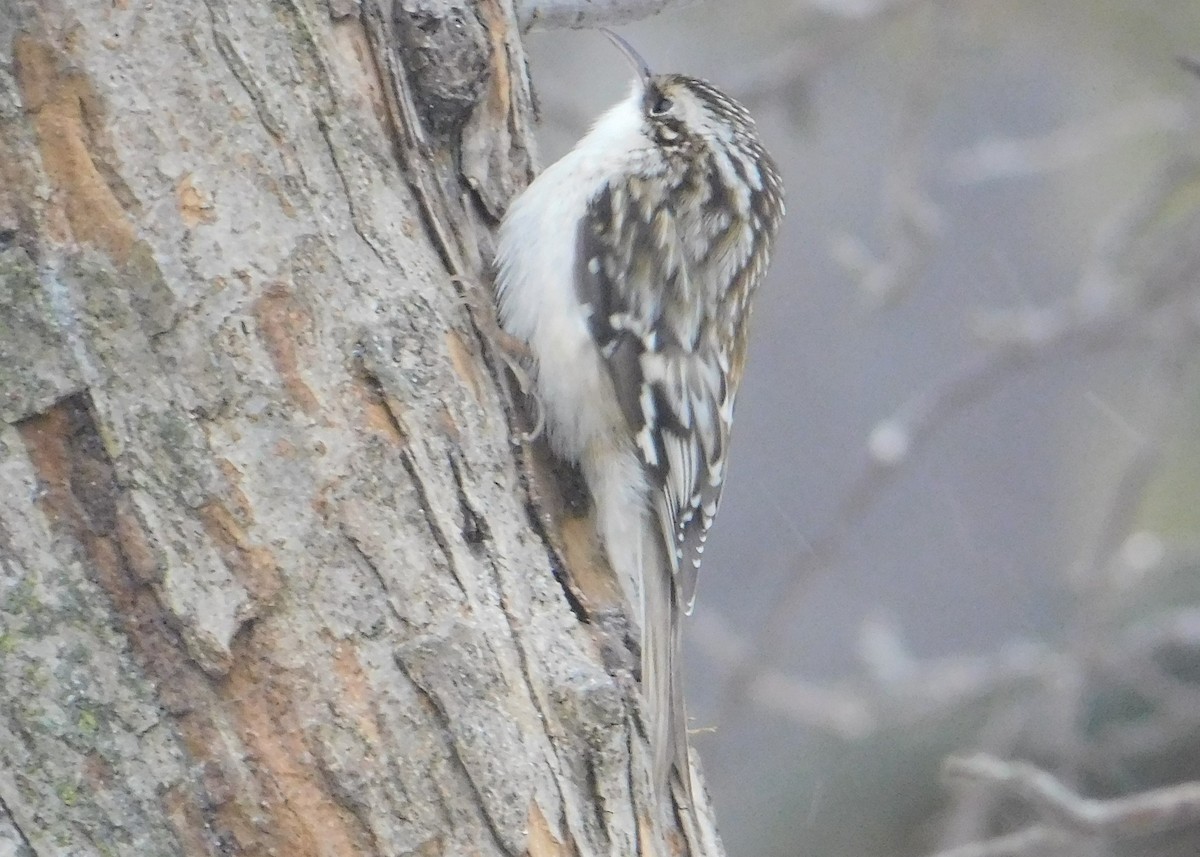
581 14
1066 816
837 711
972 805
1140 814
1032 842
931 688
911 220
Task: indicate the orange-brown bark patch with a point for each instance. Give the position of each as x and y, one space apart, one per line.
187 821
464 362
499 97
449 427
379 414
356 692
299 817
590 578
45 437
195 206
280 320
236 500
284 448
254 565
136 547
66 112
542 842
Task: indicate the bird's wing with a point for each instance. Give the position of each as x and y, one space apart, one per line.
670 375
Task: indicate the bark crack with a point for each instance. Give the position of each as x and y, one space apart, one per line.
475 529
541 521
360 551
4 810
629 780
355 216
444 725
245 78
412 150
597 801
523 661
408 461
435 529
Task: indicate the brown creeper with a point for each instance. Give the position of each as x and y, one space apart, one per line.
628 268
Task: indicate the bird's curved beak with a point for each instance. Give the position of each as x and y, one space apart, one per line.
635 59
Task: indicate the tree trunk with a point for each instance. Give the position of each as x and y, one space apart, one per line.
271 577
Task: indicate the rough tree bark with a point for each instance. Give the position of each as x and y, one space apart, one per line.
271 577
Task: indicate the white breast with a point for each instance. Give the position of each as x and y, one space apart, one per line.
536 282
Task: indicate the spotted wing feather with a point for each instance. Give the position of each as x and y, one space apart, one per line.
665 360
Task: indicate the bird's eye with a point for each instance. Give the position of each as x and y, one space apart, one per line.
661 105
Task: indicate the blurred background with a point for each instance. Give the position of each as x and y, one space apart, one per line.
964 503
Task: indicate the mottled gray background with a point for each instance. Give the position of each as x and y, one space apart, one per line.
983 153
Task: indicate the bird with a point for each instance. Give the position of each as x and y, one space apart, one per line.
627 270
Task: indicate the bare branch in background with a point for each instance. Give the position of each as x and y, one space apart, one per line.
1031 842
971 806
857 10
579 14
911 219
1070 823
583 14
838 711
934 688
1140 814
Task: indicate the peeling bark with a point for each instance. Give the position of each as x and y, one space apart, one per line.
273 577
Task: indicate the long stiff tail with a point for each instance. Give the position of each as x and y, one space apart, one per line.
638 554
662 665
